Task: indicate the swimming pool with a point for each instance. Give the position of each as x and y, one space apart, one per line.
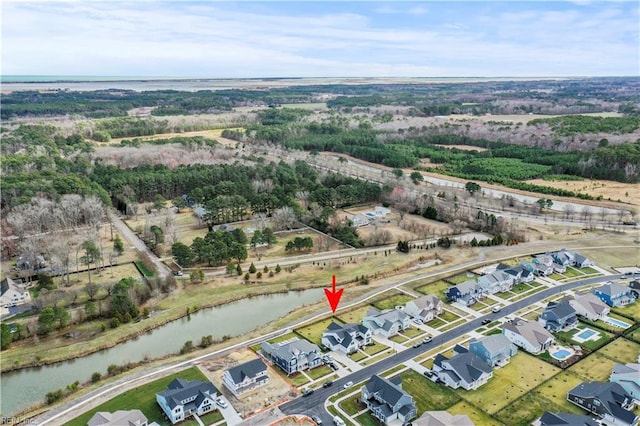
370 214
561 354
617 323
585 334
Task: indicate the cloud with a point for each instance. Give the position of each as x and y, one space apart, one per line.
219 39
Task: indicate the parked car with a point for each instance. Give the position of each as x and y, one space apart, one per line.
427 339
428 373
317 419
496 309
486 321
333 366
338 421
221 403
348 385
417 321
417 345
327 384
307 392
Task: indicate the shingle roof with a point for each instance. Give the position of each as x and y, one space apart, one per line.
442 418
612 289
566 419
387 391
467 365
592 302
559 310
533 332
248 369
611 395
495 343
290 350
181 389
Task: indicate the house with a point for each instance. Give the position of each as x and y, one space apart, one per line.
359 220
496 350
541 269
442 418
581 261
386 323
634 286
424 308
543 259
609 401
346 338
293 356
519 273
564 257
466 293
495 282
614 294
13 294
465 369
558 316
244 377
565 419
529 335
558 268
119 418
590 306
386 400
183 398
381 211
627 376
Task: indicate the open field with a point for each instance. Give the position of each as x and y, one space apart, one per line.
595 367
625 192
427 395
391 302
621 350
526 409
612 257
313 332
144 399
556 390
477 416
519 118
210 134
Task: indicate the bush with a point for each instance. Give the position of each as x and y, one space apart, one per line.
252 268
115 323
95 377
278 269
259 275
54 396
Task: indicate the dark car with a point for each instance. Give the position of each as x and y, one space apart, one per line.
486 321
307 392
428 373
327 384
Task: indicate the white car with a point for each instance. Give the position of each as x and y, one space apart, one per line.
348 385
496 308
221 403
338 421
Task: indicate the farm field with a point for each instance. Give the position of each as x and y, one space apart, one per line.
625 192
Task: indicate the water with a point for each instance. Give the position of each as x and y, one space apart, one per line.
617 323
561 354
24 388
586 334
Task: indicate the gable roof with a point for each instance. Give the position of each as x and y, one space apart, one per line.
249 369
466 365
611 396
566 419
494 343
612 289
467 286
592 303
531 331
290 350
386 319
558 310
181 389
388 392
425 301
119 418
442 418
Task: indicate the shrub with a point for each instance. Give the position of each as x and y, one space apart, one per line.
95 377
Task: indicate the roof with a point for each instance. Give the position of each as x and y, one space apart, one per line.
8 283
181 389
249 369
291 349
387 391
442 418
592 303
425 301
533 332
559 310
467 365
612 289
566 419
611 395
387 318
495 343
467 286
119 418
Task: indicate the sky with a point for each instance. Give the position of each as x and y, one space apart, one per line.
217 39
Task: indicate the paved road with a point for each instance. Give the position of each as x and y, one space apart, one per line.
314 404
130 236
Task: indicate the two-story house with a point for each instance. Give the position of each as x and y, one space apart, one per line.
293 356
564 419
466 293
590 306
347 338
245 377
519 273
13 294
464 369
614 294
609 401
582 261
558 316
495 282
529 335
564 257
627 376
424 308
386 400
120 418
386 323
183 398
496 350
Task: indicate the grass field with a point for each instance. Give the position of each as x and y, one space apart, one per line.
556 390
477 416
526 409
427 395
354 315
375 348
594 367
632 310
313 332
621 350
351 405
318 372
437 288
460 278
589 344
358 356
144 399
391 302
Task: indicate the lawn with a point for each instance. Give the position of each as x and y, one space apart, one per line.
313 332
435 323
556 390
318 372
284 337
508 383
354 315
437 288
427 395
374 359
448 316
358 356
366 419
145 271
476 415
621 350
567 336
398 338
144 399
572 272
632 310
460 278
393 301
375 348
412 332
297 379
525 410
351 405
594 367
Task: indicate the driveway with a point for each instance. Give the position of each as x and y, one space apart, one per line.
231 416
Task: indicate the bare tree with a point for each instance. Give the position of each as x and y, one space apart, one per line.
283 218
568 211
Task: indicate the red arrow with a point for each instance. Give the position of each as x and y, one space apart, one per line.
333 296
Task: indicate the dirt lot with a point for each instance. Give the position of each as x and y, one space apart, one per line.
625 192
255 400
210 134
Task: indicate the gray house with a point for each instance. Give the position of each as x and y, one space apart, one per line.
609 401
293 356
346 338
466 293
558 316
386 323
120 418
614 294
565 419
627 376
590 306
496 282
386 400
528 335
244 377
496 350
442 418
424 308
464 369
184 398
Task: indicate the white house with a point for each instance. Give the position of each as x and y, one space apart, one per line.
120 418
528 335
346 338
496 282
590 307
386 323
464 369
245 377
424 308
184 398
627 376
13 294
381 211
